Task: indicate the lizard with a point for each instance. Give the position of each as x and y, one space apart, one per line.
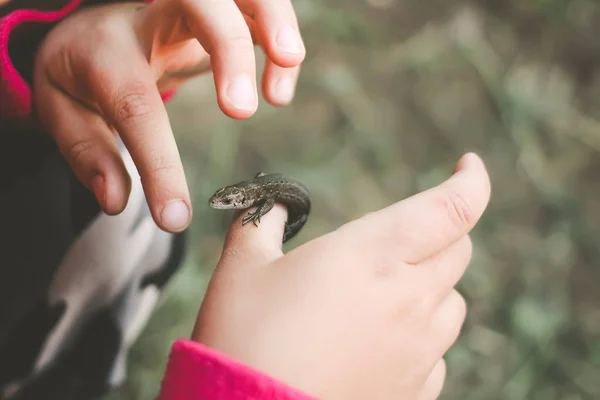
262 192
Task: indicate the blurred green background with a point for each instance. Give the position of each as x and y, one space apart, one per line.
392 92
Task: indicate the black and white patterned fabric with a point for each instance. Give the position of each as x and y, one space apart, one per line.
76 286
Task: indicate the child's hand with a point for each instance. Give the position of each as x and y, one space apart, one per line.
100 72
365 312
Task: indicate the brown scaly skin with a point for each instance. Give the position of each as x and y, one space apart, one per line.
263 192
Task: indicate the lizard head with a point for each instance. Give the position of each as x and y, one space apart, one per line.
229 197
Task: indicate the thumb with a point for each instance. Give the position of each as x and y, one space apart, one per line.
249 245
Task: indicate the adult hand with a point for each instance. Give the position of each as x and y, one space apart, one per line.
100 72
364 312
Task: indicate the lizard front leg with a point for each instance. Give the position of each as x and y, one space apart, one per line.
262 207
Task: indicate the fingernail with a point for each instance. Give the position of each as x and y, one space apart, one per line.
470 158
99 189
285 89
288 40
175 216
242 94
467 160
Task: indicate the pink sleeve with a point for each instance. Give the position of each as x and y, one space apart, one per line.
15 93
197 372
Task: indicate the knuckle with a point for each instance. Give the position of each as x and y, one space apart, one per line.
103 28
386 266
236 41
457 209
80 151
106 29
230 33
161 166
132 102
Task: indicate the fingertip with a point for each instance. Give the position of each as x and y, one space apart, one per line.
438 217
99 189
279 84
167 194
280 92
238 98
270 227
468 160
262 242
112 185
274 222
116 198
175 216
288 48
471 163
233 112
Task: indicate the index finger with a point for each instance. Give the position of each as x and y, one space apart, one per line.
250 245
128 96
427 223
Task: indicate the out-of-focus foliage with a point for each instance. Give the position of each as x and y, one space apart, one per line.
391 94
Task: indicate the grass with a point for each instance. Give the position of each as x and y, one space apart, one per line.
391 94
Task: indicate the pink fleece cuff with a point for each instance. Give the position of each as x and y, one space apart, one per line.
15 93
197 372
